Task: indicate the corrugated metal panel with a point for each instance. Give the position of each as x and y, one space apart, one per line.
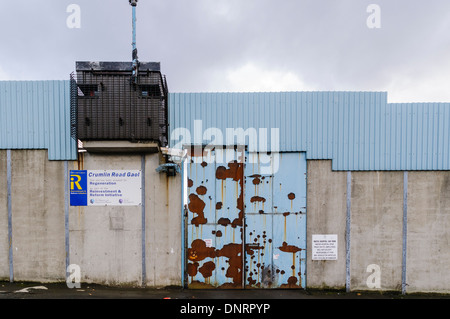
22 121
357 130
36 115
418 136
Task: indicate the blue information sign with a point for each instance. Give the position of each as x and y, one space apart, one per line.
78 188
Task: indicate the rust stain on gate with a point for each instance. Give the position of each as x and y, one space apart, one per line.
235 171
196 205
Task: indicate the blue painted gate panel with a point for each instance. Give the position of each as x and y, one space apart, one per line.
275 211
215 220
231 193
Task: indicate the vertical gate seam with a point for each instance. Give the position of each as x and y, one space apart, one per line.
183 259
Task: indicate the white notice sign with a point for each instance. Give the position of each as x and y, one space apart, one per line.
324 247
115 188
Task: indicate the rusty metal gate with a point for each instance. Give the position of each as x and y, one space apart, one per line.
246 219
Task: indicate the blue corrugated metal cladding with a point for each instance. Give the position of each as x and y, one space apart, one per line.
36 115
356 130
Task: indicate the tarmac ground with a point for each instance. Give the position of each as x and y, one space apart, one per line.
176 302
30 290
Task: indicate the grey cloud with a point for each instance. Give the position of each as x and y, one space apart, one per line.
325 42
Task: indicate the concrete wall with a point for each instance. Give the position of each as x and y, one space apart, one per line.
37 216
37 206
376 229
326 214
38 219
106 242
163 224
428 244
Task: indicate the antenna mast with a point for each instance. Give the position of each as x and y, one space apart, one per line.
133 4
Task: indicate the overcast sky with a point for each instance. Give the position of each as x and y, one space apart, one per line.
242 45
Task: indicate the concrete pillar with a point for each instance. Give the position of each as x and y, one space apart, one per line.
326 214
163 224
37 216
428 253
376 230
106 242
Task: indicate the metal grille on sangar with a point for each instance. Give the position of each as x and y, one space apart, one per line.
109 104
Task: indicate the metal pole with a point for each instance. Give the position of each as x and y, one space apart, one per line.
144 270
133 8
66 213
347 232
405 228
135 67
9 181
